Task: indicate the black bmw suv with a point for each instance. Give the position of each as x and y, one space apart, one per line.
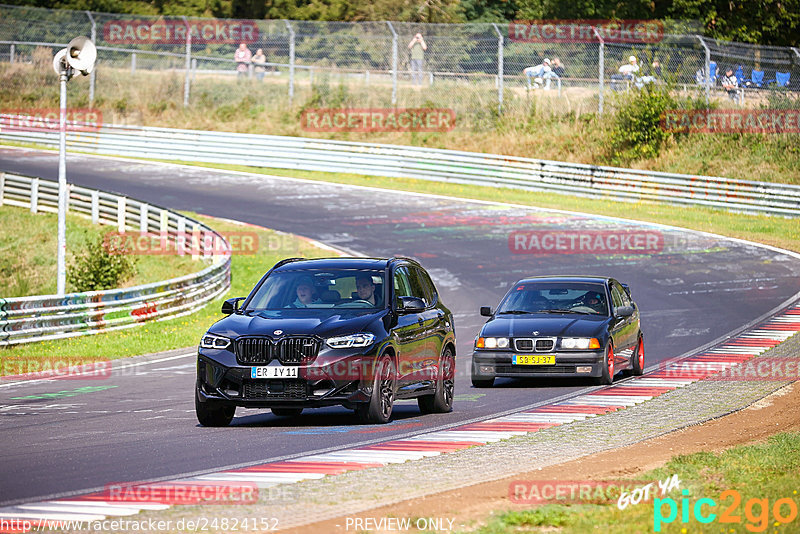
356 332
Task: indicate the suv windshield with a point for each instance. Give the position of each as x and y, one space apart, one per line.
555 297
328 288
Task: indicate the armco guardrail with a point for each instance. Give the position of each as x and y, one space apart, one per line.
424 163
40 318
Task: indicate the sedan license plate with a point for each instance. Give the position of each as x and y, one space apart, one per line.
534 359
273 371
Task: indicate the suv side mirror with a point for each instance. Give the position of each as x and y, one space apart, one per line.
624 311
411 304
231 305
486 311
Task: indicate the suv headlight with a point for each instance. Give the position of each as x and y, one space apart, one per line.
351 341
213 341
491 343
580 343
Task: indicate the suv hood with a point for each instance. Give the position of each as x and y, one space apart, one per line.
262 324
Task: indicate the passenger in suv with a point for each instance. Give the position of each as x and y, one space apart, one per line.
344 347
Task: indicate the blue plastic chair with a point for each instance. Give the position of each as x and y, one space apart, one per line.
782 78
712 67
757 78
739 75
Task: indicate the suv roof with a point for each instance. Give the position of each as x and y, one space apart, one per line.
338 263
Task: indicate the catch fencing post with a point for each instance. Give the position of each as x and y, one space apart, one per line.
601 67
394 63
94 71
707 68
133 63
291 60
499 69
188 67
11 52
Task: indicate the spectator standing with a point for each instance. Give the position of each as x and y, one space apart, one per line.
242 57
418 48
259 64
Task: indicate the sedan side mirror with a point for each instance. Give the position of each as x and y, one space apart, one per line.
486 311
411 304
624 311
231 305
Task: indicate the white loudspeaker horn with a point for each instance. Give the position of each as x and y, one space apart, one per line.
81 54
58 61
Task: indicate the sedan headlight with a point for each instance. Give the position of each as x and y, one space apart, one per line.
491 343
580 343
213 341
352 341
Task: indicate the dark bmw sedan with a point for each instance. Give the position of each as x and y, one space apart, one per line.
355 332
562 326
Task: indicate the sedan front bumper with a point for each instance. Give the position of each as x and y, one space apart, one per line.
488 364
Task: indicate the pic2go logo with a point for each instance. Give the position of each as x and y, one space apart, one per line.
756 511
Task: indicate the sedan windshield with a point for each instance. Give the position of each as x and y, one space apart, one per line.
555 297
320 289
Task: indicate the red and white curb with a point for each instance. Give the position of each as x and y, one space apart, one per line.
733 352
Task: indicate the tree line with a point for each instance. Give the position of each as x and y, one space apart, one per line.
770 22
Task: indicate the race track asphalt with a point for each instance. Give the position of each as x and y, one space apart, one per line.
69 436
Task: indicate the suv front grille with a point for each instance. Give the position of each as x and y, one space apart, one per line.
275 389
290 350
540 344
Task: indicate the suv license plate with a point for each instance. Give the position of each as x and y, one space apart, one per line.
273 371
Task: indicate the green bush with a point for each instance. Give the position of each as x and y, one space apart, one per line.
100 266
637 132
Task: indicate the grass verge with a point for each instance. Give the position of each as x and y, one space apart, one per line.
28 244
750 488
179 332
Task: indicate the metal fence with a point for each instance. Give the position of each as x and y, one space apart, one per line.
467 67
46 317
424 163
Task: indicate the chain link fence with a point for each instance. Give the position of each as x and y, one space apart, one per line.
477 70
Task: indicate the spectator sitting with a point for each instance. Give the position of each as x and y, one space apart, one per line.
541 73
259 61
655 73
558 67
730 84
629 70
242 58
